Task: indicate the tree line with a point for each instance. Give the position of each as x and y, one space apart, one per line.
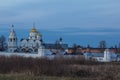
102 44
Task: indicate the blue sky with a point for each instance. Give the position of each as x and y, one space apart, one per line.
77 21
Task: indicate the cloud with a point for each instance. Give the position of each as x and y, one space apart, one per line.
9 3
94 33
52 14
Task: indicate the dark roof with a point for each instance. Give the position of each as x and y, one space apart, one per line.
55 46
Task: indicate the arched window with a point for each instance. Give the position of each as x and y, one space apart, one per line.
10 40
14 39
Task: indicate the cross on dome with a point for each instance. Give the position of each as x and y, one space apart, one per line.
34 30
12 29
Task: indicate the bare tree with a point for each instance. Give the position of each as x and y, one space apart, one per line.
3 44
74 48
102 44
88 46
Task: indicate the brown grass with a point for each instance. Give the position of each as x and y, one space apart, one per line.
60 67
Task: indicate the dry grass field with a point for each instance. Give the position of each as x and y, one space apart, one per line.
21 68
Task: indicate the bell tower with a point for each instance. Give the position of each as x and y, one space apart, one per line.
12 40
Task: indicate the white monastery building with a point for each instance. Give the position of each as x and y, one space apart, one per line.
32 43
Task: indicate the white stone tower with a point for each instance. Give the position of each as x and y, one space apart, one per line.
41 51
107 55
12 40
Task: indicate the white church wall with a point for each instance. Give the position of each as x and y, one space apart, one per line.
24 43
31 43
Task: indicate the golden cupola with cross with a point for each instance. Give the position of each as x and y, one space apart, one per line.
33 30
35 34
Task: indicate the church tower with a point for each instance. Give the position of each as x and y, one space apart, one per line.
12 40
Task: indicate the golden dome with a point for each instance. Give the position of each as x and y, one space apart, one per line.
33 30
